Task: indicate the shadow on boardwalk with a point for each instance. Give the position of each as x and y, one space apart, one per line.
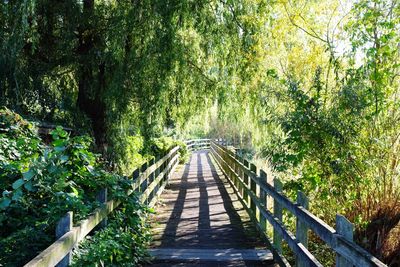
200 210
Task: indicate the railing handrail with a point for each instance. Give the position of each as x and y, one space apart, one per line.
349 250
197 144
196 140
63 246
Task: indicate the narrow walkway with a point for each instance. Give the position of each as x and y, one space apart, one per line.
199 214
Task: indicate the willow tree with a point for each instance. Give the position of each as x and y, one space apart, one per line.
131 67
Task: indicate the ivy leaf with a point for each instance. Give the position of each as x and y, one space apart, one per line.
17 195
59 148
64 158
28 175
4 203
59 142
18 183
52 168
29 186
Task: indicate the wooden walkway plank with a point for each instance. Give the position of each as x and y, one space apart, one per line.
199 210
213 254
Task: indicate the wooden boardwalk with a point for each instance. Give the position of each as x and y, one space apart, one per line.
200 221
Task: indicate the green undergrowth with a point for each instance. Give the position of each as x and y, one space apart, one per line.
40 182
122 242
161 146
133 151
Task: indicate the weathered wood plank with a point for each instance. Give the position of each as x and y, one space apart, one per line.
200 210
263 200
345 228
212 254
64 226
301 228
144 196
278 214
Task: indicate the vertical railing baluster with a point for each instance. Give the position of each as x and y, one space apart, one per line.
237 170
156 174
263 200
301 228
65 225
143 169
150 180
135 177
241 175
345 228
246 182
253 188
278 214
102 198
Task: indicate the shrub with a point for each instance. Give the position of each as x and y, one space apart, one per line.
160 146
40 183
122 243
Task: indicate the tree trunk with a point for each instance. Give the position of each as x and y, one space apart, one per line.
90 94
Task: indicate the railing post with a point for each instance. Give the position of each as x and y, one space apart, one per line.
156 173
241 177
143 186
278 214
64 225
168 169
253 188
301 228
246 182
237 170
150 181
151 176
263 200
102 198
345 228
135 176
164 168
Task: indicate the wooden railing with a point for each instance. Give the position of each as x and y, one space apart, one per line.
256 194
149 182
197 144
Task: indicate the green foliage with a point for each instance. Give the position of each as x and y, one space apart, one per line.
161 146
41 183
122 243
128 154
311 85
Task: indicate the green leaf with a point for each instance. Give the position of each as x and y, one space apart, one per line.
75 191
28 175
17 195
64 158
4 202
59 148
59 142
29 186
18 183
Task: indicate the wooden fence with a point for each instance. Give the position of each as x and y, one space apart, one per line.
256 193
197 144
149 181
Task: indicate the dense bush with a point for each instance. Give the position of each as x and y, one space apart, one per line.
40 183
128 154
122 243
160 146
